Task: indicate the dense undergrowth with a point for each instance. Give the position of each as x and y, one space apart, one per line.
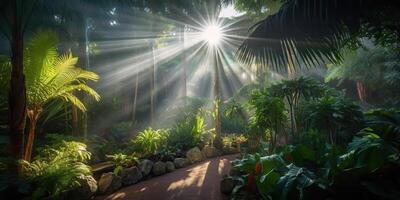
329 148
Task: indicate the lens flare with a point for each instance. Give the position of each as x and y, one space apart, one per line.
212 34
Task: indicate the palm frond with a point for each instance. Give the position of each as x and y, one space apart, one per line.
69 97
80 87
50 75
311 32
40 55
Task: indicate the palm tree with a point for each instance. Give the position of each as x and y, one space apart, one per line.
312 32
51 76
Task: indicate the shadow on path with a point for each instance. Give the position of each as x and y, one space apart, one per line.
196 182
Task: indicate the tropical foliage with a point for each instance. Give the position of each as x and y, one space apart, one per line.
57 168
335 116
51 76
188 132
374 69
307 172
269 117
310 32
149 141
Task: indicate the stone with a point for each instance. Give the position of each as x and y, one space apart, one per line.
109 183
86 189
181 162
159 168
194 155
210 151
169 166
131 175
230 150
145 167
227 184
234 172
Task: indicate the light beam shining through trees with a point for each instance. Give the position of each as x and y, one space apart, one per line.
200 50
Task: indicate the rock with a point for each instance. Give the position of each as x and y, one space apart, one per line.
159 168
234 172
194 155
131 175
181 162
230 150
109 183
145 167
87 188
227 184
210 151
169 166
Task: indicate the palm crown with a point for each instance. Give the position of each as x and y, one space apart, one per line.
50 75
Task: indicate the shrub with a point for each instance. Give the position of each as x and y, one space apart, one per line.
233 118
57 168
270 115
123 160
168 153
233 140
187 133
149 141
338 117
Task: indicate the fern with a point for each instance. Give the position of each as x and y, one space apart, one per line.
57 169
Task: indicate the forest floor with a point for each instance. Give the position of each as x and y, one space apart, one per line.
199 181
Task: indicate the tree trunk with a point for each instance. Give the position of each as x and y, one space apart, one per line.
184 78
217 102
33 118
361 90
17 93
153 97
135 97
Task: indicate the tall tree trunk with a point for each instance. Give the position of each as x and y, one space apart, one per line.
84 115
135 97
290 70
17 93
152 85
361 90
33 118
217 102
184 75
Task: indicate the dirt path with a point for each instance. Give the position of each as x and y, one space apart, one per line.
196 182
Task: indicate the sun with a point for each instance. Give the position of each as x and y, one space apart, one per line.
212 34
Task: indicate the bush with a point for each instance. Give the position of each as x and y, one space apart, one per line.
269 118
168 153
337 117
233 119
233 140
123 160
149 141
57 168
187 133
